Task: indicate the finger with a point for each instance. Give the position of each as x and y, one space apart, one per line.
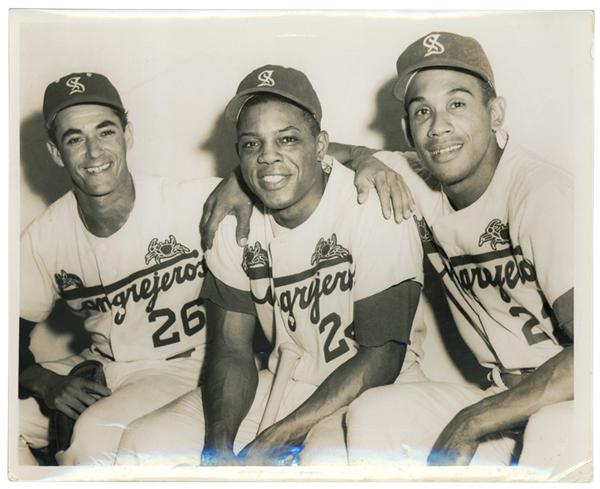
363 186
88 399
72 403
399 204
95 388
242 228
63 408
209 230
383 191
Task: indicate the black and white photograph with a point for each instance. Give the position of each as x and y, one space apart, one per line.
300 245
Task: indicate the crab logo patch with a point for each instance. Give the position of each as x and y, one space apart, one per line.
254 257
160 251
496 232
66 281
327 249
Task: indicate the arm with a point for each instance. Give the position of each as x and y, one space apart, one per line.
229 382
70 395
370 367
551 382
370 172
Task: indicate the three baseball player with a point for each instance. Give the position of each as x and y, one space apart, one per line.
499 244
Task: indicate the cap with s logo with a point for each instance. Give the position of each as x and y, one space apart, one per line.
77 89
442 50
285 82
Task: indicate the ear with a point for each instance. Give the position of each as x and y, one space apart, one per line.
129 136
322 145
497 108
407 133
54 153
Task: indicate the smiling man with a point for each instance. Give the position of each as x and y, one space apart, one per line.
123 253
497 226
313 277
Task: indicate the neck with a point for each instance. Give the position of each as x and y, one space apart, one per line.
465 192
296 214
104 215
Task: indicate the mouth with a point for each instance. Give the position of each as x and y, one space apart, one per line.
272 181
96 170
445 152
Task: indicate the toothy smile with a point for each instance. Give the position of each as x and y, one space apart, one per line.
95 170
272 178
445 150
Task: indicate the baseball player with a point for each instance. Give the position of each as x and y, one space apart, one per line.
124 254
498 231
311 274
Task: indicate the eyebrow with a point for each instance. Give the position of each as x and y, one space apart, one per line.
450 92
102 125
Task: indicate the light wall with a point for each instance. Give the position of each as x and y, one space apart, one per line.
177 71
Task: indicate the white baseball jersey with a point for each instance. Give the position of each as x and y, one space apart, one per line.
505 259
137 289
314 284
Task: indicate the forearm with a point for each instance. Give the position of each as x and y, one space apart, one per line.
348 154
228 390
370 367
551 383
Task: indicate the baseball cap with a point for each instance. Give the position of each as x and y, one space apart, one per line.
285 82
442 50
76 89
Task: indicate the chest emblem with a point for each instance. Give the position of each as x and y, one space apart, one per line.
160 251
254 257
496 233
66 281
327 249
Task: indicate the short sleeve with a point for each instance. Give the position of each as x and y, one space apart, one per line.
37 289
544 216
386 253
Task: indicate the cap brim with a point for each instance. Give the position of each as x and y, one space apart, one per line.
235 105
82 101
402 83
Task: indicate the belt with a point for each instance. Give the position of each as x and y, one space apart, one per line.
183 354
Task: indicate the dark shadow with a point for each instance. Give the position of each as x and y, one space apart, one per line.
457 349
63 321
221 143
44 177
388 119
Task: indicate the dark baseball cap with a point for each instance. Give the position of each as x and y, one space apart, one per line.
77 89
285 82
442 50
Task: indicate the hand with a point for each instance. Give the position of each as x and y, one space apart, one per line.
392 191
211 457
72 395
272 447
457 443
229 197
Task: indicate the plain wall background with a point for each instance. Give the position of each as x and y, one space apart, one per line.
176 72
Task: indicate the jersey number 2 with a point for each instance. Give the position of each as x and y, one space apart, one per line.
192 318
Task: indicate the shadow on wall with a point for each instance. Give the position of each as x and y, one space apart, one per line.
44 177
388 119
221 144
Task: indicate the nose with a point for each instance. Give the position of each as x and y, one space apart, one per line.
269 153
93 147
440 125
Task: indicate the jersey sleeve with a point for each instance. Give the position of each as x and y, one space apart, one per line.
38 292
226 283
544 215
388 276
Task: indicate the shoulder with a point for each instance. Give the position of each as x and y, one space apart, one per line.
53 220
